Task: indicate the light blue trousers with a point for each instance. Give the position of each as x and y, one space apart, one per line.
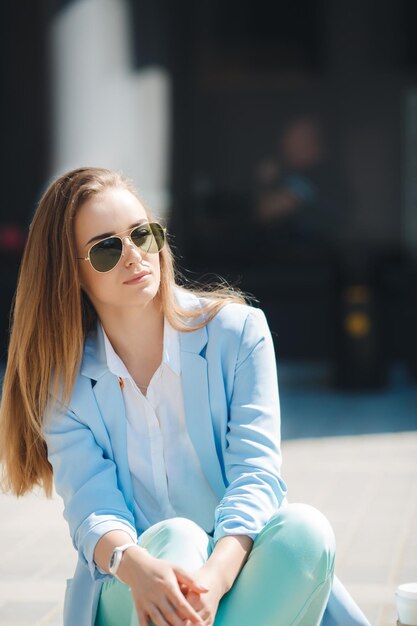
286 580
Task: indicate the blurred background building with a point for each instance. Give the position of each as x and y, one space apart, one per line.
278 140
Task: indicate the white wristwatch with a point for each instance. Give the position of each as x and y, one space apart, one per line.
116 557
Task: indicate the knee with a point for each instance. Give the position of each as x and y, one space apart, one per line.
317 535
308 539
179 540
181 529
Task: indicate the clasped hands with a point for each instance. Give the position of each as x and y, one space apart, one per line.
165 594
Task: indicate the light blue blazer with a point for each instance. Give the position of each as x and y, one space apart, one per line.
229 380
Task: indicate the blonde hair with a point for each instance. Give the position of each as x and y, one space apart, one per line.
52 316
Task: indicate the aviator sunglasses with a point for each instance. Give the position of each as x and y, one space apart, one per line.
105 254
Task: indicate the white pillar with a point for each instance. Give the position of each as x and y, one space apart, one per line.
104 114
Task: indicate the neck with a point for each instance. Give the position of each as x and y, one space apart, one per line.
136 334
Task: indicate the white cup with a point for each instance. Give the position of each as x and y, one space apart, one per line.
406 601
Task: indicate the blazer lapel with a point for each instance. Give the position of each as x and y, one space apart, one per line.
111 406
197 406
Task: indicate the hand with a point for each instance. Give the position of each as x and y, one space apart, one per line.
156 586
206 604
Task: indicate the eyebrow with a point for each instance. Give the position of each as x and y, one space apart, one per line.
104 235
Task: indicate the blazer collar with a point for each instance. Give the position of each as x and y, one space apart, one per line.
94 362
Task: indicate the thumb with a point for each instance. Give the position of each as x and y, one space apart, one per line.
186 579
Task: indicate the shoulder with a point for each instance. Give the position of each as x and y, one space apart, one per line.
231 316
59 410
240 328
235 317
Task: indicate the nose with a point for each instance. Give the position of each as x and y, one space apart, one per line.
131 252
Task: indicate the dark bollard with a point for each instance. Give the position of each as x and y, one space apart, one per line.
360 358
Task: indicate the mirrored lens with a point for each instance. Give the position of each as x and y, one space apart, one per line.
149 237
106 254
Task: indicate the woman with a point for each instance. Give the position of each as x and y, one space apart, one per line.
155 408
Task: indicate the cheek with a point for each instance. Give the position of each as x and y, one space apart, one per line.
102 291
94 284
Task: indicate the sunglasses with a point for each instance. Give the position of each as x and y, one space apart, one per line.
105 254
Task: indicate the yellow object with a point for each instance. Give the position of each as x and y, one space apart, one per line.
357 324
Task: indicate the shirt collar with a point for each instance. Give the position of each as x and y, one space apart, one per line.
94 363
170 352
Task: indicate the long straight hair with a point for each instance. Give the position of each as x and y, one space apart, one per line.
51 317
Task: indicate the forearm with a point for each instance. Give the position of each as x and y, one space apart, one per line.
228 557
106 544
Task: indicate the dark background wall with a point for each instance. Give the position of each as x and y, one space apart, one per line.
24 115
245 74
350 63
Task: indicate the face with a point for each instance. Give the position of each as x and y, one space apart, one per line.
111 212
302 145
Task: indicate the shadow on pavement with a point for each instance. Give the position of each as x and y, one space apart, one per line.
311 408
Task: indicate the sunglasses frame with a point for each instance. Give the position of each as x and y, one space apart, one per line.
129 232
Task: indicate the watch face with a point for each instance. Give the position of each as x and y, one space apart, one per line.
112 559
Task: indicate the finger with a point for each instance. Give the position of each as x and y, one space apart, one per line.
142 618
183 608
186 578
195 599
170 613
157 617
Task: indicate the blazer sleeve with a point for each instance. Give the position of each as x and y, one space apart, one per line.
252 458
87 482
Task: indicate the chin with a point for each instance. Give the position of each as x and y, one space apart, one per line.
148 294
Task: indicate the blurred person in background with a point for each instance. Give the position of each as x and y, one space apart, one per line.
154 409
297 193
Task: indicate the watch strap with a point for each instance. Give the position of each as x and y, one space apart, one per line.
116 556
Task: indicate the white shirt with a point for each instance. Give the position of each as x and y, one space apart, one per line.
164 466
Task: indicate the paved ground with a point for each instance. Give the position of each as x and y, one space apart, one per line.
367 487
365 483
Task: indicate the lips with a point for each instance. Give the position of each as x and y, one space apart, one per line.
136 278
